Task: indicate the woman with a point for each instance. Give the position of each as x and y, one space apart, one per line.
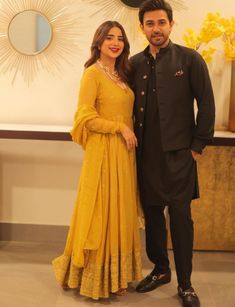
102 253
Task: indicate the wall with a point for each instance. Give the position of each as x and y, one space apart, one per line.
38 179
51 99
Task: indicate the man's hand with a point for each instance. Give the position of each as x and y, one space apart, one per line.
195 154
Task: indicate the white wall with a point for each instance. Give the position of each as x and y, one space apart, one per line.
38 179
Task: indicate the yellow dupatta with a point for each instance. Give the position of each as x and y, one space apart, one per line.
86 227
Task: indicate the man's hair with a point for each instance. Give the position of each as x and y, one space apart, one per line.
153 5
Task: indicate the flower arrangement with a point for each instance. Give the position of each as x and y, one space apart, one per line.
213 27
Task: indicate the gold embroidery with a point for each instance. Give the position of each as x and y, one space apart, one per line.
99 280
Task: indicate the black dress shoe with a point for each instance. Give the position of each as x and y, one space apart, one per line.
153 281
189 297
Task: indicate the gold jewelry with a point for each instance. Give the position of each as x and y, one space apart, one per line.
113 75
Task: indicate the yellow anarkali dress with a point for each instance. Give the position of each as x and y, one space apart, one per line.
103 250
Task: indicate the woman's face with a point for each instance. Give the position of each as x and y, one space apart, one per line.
113 44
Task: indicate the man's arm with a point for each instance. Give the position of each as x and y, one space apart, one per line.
203 93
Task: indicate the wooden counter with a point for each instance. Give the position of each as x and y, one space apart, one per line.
61 133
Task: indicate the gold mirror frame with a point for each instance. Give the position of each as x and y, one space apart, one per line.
63 18
32 17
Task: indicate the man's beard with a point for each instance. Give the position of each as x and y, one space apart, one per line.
158 43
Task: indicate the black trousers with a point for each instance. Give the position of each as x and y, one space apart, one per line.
181 227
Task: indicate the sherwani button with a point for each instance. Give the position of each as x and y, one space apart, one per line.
142 93
141 125
145 76
141 109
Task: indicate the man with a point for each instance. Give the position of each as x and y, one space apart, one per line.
166 80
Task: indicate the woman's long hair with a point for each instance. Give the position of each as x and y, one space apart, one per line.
122 64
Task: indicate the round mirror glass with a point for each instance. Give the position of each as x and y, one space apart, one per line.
30 32
132 3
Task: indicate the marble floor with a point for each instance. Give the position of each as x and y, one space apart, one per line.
27 280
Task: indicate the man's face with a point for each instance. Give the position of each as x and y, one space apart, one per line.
157 28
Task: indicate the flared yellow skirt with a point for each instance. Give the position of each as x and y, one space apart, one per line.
117 259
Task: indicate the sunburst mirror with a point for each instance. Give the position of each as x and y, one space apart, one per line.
29 32
126 12
37 35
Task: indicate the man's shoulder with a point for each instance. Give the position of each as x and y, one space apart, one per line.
174 47
184 50
137 58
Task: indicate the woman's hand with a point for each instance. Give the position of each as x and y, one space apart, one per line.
129 137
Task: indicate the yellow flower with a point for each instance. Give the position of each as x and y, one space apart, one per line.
207 54
210 31
229 40
191 39
213 27
229 50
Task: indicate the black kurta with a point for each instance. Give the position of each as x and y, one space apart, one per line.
166 177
